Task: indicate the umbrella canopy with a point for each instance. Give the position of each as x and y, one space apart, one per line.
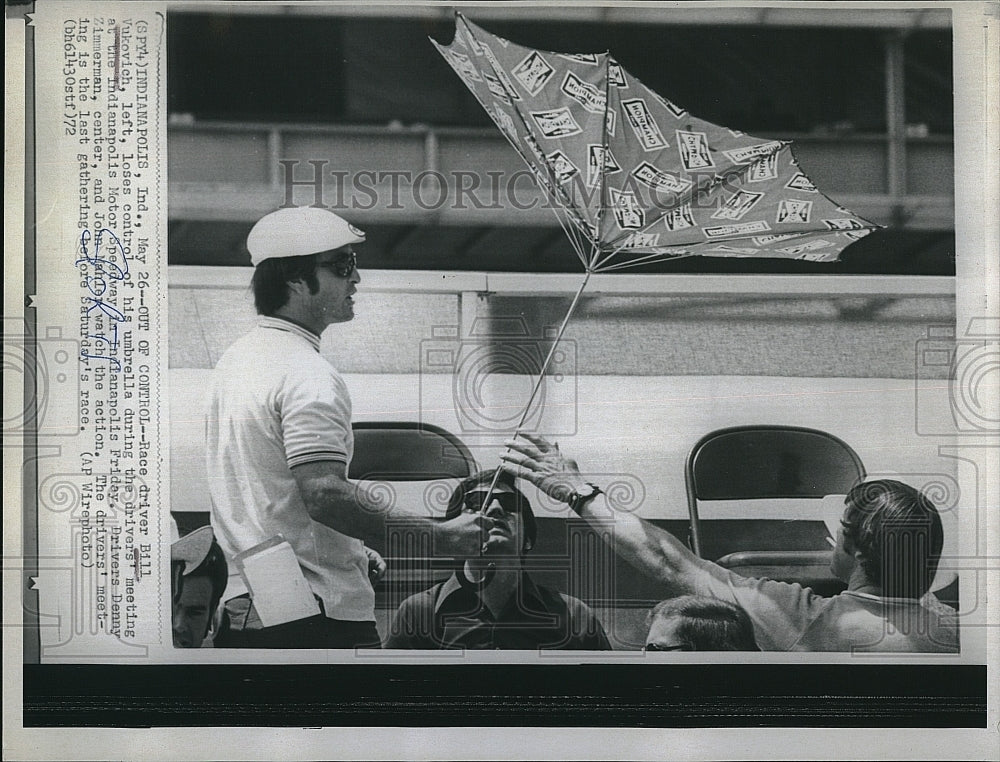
634 178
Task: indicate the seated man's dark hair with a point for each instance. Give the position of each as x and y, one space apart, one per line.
707 624
483 479
271 278
899 534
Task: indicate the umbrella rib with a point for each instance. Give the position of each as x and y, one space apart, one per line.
573 233
643 260
570 231
538 382
604 161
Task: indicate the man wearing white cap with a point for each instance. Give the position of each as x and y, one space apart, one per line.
279 440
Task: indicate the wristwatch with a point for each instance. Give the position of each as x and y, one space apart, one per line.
580 497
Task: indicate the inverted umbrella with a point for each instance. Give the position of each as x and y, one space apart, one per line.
632 177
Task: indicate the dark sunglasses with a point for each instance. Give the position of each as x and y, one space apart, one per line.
654 647
473 501
343 267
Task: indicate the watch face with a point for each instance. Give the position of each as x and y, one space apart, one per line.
587 490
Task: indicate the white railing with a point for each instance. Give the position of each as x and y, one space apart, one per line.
566 284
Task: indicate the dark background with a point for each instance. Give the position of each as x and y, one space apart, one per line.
373 71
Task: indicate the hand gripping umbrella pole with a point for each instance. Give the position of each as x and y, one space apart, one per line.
538 382
490 571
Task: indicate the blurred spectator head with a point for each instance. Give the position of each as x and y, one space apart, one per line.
699 623
198 576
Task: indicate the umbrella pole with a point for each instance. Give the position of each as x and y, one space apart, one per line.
538 382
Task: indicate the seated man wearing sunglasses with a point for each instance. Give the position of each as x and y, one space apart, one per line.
279 441
491 602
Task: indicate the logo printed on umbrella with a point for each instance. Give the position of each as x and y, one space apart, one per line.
588 96
643 125
659 180
735 251
801 183
693 149
465 68
562 167
793 210
843 224
818 256
496 87
854 235
670 106
763 169
556 123
533 73
746 228
600 161
749 153
641 241
588 58
616 75
501 73
767 240
504 122
679 218
813 245
737 205
628 213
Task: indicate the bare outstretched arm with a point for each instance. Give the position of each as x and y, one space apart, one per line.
653 551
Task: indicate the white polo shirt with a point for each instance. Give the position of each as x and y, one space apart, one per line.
789 617
275 403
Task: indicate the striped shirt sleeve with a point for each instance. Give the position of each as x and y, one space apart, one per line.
316 418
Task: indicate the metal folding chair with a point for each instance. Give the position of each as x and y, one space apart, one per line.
408 451
403 451
766 462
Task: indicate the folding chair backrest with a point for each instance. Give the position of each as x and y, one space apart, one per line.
408 451
761 462
413 452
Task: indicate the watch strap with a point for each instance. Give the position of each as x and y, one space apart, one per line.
577 500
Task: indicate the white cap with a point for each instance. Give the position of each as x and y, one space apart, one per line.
192 549
298 231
